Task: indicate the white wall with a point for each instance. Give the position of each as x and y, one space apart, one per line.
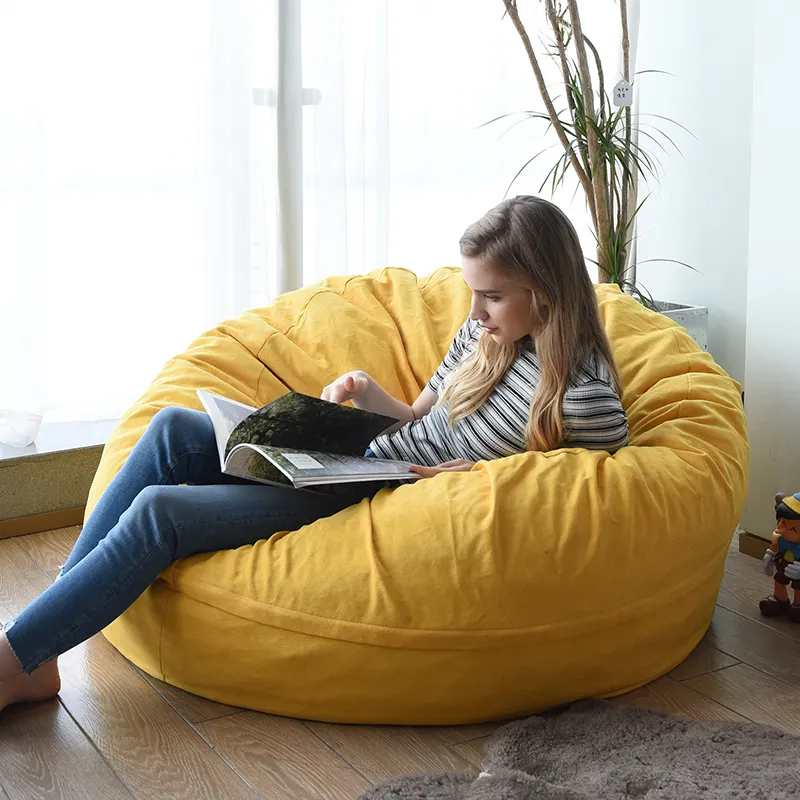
700 214
731 208
772 373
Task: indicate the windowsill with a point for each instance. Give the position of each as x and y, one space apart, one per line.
46 485
57 437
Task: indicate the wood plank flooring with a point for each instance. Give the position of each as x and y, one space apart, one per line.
115 732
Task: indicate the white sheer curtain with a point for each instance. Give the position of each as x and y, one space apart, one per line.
136 206
140 146
396 163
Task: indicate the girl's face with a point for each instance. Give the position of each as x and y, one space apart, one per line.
506 309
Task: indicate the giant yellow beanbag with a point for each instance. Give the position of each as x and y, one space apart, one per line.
530 581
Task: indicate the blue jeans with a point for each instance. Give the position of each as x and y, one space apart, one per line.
144 521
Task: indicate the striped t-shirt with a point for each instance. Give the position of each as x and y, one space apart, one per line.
592 413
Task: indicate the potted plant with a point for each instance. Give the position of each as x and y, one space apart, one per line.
601 148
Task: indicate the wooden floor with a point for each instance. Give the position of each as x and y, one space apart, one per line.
114 732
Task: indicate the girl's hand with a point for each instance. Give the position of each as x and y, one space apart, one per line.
459 465
345 388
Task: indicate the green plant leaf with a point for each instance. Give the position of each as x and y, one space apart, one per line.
640 293
672 261
643 132
660 116
522 168
633 217
503 116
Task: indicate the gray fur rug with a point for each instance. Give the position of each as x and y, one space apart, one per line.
596 750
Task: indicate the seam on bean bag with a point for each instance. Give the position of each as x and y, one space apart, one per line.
321 290
370 633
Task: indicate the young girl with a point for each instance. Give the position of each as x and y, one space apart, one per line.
530 369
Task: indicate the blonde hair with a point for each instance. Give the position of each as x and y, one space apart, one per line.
532 241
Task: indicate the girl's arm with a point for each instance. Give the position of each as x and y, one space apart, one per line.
367 393
418 409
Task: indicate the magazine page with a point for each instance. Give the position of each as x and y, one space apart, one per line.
225 416
310 467
301 421
246 462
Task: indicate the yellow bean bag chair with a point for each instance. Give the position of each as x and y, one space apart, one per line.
528 582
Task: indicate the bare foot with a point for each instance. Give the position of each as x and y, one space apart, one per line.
42 684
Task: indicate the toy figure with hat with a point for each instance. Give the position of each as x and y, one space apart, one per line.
782 559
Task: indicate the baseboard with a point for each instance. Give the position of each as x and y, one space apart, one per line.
752 545
36 523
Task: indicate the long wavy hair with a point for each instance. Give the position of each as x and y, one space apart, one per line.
532 241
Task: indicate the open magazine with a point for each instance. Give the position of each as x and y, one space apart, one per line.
299 440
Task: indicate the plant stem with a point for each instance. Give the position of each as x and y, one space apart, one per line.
623 208
562 54
599 66
511 8
603 224
607 168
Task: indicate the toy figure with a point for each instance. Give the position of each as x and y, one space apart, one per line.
782 559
